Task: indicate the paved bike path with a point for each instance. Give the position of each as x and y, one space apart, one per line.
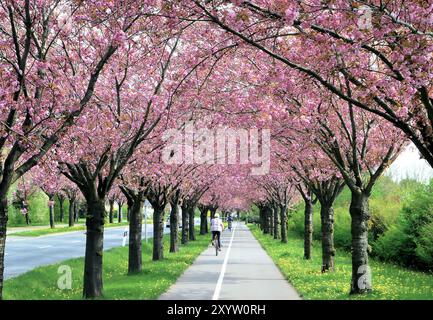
242 271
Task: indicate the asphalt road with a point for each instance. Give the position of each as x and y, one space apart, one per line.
26 253
242 271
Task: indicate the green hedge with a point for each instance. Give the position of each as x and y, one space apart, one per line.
401 225
410 240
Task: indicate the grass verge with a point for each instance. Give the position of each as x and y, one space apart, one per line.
42 232
390 282
155 278
41 224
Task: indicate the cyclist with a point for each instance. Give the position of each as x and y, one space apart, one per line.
230 220
216 227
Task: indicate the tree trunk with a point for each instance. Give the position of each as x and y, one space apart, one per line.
206 225
119 214
203 220
308 228
27 218
275 217
62 213
51 208
174 228
111 213
191 223
135 226
283 219
265 220
93 286
271 221
185 224
128 209
158 233
328 250
262 219
3 227
213 210
71 212
76 215
360 214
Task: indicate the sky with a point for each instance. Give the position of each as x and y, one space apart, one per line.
409 165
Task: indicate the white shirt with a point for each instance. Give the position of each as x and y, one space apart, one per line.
216 224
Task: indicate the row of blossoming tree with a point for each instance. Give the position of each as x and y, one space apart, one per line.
89 90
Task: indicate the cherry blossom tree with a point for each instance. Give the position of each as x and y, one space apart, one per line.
52 55
380 48
361 146
128 110
316 175
89 90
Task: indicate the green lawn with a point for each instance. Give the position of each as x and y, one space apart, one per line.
41 232
155 279
390 282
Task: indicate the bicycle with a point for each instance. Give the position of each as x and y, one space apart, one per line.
216 244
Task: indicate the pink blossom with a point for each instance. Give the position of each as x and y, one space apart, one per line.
119 38
291 15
